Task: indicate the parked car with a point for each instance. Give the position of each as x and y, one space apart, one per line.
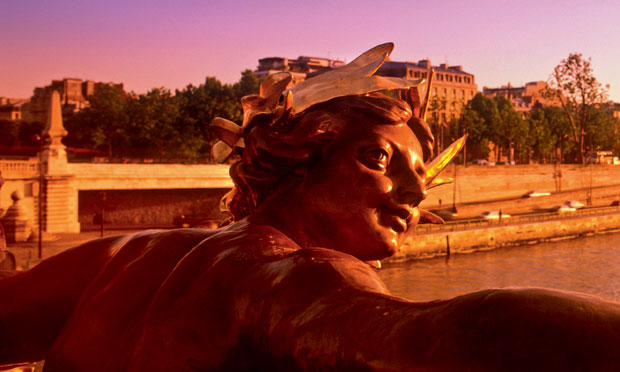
574 204
482 162
564 208
492 215
535 194
446 214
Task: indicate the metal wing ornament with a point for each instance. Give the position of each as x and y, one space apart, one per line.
433 169
275 100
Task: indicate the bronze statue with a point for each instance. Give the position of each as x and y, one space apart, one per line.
325 182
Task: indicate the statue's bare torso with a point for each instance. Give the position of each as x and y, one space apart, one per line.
193 300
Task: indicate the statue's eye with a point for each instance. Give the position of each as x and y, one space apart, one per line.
379 157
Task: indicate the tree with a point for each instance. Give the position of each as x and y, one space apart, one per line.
479 120
512 130
574 86
103 125
437 120
603 129
10 133
549 131
200 104
248 84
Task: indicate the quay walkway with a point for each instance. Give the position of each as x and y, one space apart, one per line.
476 235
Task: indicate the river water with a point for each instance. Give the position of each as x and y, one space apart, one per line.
588 265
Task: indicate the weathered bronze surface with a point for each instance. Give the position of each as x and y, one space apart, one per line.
322 186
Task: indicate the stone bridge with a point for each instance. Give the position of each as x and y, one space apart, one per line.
60 192
51 183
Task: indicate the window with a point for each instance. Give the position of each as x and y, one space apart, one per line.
434 91
462 93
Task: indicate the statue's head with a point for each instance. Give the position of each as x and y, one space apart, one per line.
349 159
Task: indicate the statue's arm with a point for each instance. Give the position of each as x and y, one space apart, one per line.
35 304
329 314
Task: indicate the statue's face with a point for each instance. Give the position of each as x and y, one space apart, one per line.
363 195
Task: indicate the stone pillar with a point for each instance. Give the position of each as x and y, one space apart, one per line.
60 205
17 221
59 199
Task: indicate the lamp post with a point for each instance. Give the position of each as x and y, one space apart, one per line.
41 139
102 198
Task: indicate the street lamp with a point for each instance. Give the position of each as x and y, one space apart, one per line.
41 140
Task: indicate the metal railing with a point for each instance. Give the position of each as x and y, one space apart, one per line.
513 220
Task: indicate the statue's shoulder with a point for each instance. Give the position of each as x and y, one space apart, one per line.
244 241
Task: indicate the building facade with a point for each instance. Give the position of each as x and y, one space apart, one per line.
12 108
73 97
523 98
452 87
299 68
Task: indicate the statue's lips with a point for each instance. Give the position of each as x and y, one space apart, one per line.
396 217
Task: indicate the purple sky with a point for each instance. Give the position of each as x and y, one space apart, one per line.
155 43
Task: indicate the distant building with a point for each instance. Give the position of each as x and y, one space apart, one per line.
452 87
73 96
523 98
12 108
299 68
614 107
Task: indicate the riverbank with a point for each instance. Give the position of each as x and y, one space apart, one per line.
429 241
487 236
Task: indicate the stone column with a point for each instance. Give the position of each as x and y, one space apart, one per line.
59 199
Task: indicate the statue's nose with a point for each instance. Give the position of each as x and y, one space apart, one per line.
410 188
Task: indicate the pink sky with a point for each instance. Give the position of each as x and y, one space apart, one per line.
146 44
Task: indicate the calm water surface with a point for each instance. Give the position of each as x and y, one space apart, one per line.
589 265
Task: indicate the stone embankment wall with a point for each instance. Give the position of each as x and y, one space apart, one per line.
474 183
133 208
436 244
480 182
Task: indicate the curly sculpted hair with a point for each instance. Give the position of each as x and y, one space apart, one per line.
276 154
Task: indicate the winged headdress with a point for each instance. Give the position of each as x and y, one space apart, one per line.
279 103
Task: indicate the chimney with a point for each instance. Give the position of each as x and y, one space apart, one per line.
426 63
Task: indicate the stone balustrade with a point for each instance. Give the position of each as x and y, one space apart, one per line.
19 169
